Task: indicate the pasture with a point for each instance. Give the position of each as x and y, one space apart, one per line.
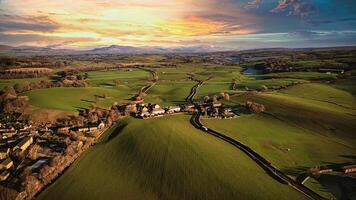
164 158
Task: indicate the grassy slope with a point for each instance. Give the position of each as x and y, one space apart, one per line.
316 122
101 82
128 78
308 126
165 158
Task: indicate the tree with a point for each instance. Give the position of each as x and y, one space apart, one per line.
227 97
34 151
206 99
9 90
255 107
264 88
7 193
214 99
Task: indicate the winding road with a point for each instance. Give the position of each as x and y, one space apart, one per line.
193 92
266 165
261 161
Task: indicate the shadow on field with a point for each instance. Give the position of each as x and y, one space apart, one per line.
294 171
341 186
114 133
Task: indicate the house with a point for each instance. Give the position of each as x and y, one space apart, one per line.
131 108
144 110
12 129
24 144
159 111
145 114
349 169
26 127
4 175
215 105
4 153
173 109
156 107
101 125
6 164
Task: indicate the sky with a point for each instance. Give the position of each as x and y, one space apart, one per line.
214 24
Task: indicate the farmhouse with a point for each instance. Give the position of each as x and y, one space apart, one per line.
158 111
4 153
349 169
173 109
24 144
4 175
101 125
6 164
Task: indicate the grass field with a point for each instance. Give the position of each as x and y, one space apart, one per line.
72 99
165 158
127 78
304 126
169 93
300 75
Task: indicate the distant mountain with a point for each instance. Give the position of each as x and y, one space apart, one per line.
113 49
117 49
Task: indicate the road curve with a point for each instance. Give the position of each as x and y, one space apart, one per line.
262 162
193 92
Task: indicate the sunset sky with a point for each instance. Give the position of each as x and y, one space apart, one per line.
217 24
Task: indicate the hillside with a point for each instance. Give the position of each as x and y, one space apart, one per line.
164 158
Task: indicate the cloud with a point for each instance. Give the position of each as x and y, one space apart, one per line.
10 23
331 21
301 8
41 40
253 4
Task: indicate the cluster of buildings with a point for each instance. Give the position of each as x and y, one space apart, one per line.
6 161
154 110
15 140
216 110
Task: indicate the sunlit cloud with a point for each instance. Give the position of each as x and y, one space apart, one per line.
92 23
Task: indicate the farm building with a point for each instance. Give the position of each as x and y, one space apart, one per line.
6 164
173 109
24 144
349 169
4 175
159 111
101 125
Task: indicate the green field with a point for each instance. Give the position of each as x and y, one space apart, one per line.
72 99
304 126
165 158
128 78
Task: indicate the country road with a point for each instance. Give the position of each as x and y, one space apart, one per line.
193 92
262 162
